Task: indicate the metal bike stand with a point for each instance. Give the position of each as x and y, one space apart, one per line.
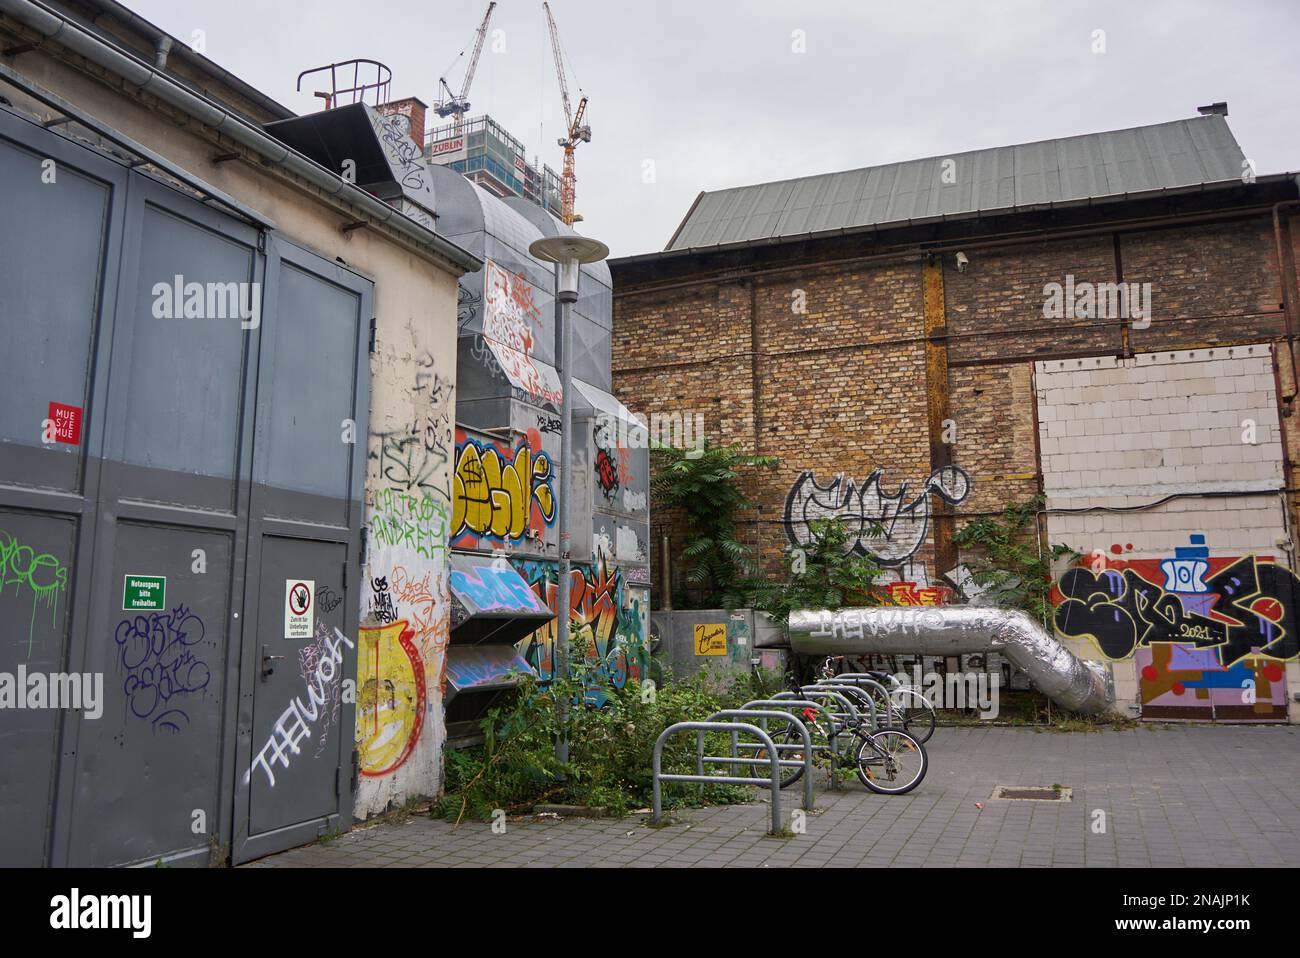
763 715
659 777
805 703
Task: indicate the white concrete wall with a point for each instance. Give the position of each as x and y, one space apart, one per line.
1120 433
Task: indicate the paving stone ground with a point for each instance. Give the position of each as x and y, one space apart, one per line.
1193 796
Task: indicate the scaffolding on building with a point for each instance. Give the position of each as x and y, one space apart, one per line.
486 154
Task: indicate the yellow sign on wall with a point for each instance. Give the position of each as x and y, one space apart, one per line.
711 638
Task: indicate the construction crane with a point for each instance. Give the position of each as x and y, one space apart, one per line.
575 131
458 105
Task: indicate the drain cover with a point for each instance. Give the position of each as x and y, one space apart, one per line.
1032 793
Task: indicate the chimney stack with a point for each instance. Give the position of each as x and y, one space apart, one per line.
413 109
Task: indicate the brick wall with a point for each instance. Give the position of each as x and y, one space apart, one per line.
842 385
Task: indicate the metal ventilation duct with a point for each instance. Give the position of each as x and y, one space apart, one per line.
1053 669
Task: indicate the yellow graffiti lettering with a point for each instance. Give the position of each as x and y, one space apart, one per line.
491 497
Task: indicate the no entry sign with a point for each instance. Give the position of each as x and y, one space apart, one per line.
299 614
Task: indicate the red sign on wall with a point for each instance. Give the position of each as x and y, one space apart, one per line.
67 423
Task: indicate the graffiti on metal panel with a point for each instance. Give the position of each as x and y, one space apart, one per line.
493 589
28 571
160 654
509 319
467 306
607 616
499 496
324 695
1232 607
903 521
294 726
391 701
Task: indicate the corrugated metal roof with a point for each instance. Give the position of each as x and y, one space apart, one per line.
1184 153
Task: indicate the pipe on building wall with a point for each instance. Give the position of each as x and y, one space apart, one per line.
138 74
1070 682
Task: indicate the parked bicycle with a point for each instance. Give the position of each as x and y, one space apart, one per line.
903 705
888 760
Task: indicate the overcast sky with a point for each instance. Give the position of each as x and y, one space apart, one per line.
705 94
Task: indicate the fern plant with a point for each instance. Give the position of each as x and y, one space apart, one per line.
1003 555
706 484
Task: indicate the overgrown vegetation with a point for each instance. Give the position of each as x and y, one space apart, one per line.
824 574
610 748
1004 556
705 484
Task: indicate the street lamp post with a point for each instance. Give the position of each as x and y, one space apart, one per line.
568 252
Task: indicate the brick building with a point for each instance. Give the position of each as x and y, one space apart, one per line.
1107 320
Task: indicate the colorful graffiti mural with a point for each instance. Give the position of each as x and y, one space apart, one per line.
391 698
608 617
509 319
912 593
1206 634
498 494
903 522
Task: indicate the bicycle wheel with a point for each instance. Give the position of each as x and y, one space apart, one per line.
915 713
891 762
786 734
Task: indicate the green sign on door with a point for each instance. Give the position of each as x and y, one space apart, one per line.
144 593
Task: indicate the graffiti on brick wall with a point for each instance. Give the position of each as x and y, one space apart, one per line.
499 494
38 575
912 593
391 699
903 517
608 618
1202 630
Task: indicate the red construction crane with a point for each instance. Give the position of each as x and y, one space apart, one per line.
458 105
575 132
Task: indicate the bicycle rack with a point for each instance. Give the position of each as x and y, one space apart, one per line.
762 715
830 691
773 758
804 704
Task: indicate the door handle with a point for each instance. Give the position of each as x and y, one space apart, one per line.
268 662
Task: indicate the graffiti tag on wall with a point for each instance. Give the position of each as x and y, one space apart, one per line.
159 654
903 521
392 697
1248 605
294 726
497 496
28 571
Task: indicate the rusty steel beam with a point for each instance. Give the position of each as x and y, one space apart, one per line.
937 402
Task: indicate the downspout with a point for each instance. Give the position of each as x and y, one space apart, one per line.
1070 682
136 73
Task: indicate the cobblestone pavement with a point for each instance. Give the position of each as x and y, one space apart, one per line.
1175 796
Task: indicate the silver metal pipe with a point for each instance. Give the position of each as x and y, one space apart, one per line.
564 312
1070 682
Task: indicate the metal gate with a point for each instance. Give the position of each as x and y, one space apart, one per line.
162 474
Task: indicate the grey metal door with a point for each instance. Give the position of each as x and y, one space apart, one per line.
297 703
60 240
153 774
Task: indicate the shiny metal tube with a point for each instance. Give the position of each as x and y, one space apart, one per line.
1054 670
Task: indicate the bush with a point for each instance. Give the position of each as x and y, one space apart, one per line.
610 748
